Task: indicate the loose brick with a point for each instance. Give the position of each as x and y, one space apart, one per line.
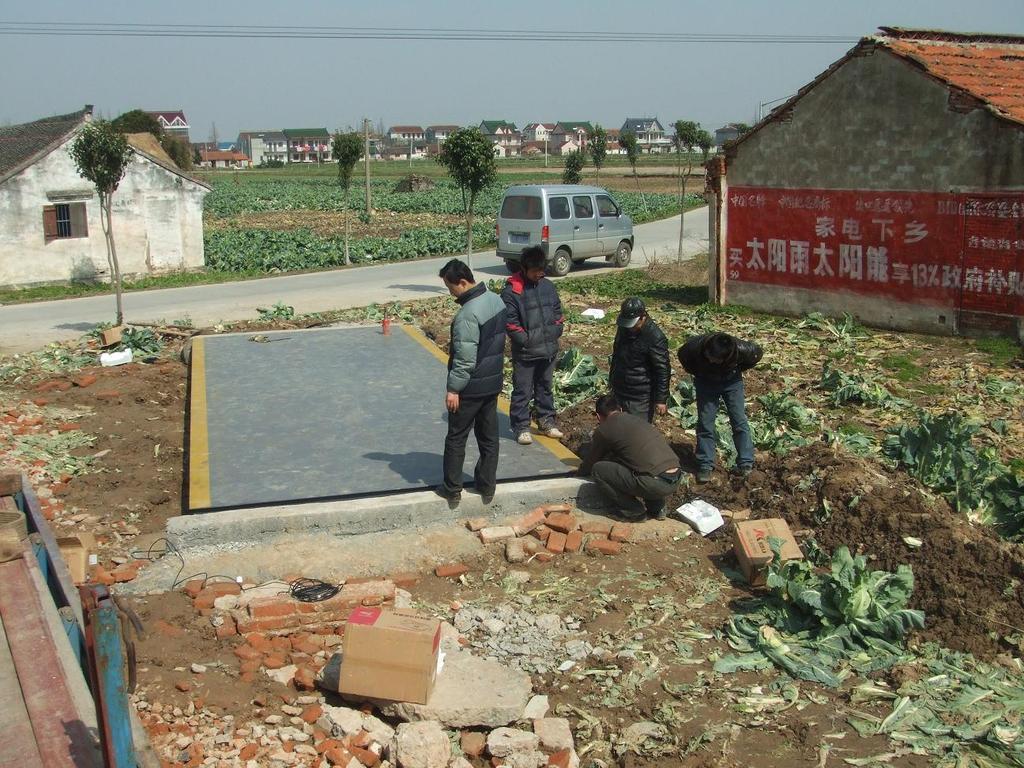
556 542
40 401
304 679
168 630
68 426
364 756
541 532
62 386
573 541
101 575
250 666
311 713
549 508
304 644
563 522
86 380
597 527
364 579
496 533
476 523
279 643
193 588
274 661
560 759
604 546
453 570
247 652
259 641
529 521
248 752
227 629
621 532
473 743
183 686
544 557
338 756
405 580
361 739
269 607
245 626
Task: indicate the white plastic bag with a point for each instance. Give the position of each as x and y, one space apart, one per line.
704 517
109 359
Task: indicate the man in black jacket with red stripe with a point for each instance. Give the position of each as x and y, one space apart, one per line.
534 324
717 361
640 368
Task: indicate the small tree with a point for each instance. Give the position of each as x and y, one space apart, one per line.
102 155
197 157
468 156
597 148
137 121
688 135
574 162
177 149
347 149
627 140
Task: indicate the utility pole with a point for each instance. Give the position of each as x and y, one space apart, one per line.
410 151
545 151
366 164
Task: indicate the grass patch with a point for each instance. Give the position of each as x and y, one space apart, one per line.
635 282
1001 350
903 367
74 290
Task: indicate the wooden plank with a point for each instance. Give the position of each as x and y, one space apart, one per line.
58 577
19 749
61 737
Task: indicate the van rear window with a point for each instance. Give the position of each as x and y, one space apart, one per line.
521 207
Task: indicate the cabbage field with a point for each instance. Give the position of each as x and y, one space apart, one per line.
232 246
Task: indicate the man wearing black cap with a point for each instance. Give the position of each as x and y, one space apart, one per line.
640 368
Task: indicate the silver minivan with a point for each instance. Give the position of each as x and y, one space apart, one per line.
571 222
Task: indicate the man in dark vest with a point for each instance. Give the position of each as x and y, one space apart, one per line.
476 354
534 325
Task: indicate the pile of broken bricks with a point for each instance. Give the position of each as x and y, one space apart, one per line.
551 530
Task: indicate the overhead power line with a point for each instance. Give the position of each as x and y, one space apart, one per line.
249 31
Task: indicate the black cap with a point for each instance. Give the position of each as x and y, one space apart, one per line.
631 312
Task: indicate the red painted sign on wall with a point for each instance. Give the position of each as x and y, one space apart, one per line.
964 251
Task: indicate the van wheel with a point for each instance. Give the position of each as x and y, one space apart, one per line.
511 266
622 254
560 263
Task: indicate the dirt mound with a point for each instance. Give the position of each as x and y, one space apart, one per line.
968 581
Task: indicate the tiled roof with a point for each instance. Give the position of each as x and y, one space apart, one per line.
170 116
988 67
492 126
21 144
221 154
405 129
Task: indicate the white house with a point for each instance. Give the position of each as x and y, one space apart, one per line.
538 131
50 215
263 146
438 134
406 133
649 132
173 121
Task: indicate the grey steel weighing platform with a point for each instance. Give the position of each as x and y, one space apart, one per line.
330 413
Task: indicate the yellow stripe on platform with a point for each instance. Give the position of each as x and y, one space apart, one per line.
560 452
199 437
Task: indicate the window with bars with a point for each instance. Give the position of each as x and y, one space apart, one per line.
64 221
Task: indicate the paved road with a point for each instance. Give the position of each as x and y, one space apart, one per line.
27 326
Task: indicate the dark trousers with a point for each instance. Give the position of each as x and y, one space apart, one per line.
709 394
642 408
531 380
632 493
480 415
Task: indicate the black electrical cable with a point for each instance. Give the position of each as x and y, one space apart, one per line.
302 589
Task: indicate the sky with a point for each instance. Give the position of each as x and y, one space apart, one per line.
249 84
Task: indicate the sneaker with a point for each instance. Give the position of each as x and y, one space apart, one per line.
742 472
550 430
524 438
703 475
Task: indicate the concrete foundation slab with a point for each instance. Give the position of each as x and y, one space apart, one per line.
326 414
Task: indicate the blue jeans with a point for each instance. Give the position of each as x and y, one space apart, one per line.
709 394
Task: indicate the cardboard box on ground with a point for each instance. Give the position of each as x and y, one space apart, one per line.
76 551
753 549
390 654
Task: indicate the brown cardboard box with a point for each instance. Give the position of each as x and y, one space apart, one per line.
390 654
76 550
112 335
750 542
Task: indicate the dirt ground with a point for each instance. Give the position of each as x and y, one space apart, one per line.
668 594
